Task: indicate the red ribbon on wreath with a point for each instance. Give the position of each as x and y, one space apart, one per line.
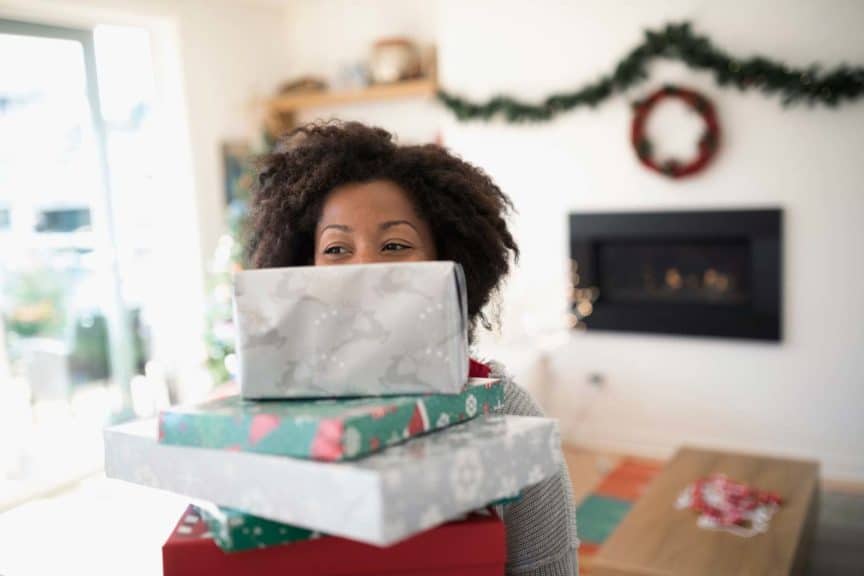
707 143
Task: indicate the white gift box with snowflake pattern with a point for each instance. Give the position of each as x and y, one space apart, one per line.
379 500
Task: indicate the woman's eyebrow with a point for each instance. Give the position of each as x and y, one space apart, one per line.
391 223
341 227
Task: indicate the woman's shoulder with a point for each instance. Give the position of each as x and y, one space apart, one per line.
517 400
541 525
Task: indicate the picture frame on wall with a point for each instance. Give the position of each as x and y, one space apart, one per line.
237 162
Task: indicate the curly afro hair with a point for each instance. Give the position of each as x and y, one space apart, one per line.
465 210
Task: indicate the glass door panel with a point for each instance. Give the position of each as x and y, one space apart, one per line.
67 353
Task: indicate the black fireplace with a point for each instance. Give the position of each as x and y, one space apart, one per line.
706 273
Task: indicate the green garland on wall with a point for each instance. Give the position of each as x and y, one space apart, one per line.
677 42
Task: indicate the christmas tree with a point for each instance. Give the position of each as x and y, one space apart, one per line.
228 258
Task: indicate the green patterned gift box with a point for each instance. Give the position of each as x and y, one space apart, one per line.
235 531
324 429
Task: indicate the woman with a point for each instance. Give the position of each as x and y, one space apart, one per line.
347 194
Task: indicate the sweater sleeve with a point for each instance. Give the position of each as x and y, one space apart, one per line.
541 525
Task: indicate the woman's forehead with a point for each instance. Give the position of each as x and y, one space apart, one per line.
370 203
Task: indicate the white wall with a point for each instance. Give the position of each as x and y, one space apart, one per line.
802 397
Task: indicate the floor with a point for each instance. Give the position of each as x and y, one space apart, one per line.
838 545
99 527
838 548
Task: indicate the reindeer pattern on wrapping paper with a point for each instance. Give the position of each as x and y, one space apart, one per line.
339 321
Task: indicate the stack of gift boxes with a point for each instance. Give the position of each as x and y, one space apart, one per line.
358 444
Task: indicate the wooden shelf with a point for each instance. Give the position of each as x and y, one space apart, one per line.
420 88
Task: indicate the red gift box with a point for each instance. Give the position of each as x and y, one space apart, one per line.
475 546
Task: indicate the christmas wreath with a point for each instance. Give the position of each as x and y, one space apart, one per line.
708 142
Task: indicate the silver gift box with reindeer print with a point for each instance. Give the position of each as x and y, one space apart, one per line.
351 330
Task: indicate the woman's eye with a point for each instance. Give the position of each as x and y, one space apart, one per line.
336 250
395 246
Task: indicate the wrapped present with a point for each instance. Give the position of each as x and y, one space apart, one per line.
323 429
354 330
380 500
474 546
236 531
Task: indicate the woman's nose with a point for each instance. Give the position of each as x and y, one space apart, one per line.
366 255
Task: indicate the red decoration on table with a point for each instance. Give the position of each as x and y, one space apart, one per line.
707 143
725 504
474 546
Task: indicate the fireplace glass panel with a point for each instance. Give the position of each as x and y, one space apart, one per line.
697 273
674 271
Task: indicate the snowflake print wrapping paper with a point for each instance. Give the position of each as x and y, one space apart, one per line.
380 499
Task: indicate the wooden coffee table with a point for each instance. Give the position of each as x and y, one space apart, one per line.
656 539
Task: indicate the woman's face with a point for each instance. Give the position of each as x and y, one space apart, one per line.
369 223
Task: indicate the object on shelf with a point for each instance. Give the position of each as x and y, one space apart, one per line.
353 87
393 60
473 546
303 84
353 76
354 330
380 500
323 429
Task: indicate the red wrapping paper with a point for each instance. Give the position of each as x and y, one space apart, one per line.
475 546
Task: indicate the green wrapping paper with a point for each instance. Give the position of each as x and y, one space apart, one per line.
324 429
235 531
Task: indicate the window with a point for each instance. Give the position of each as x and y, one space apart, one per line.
76 264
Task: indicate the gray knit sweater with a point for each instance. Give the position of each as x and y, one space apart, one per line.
541 525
